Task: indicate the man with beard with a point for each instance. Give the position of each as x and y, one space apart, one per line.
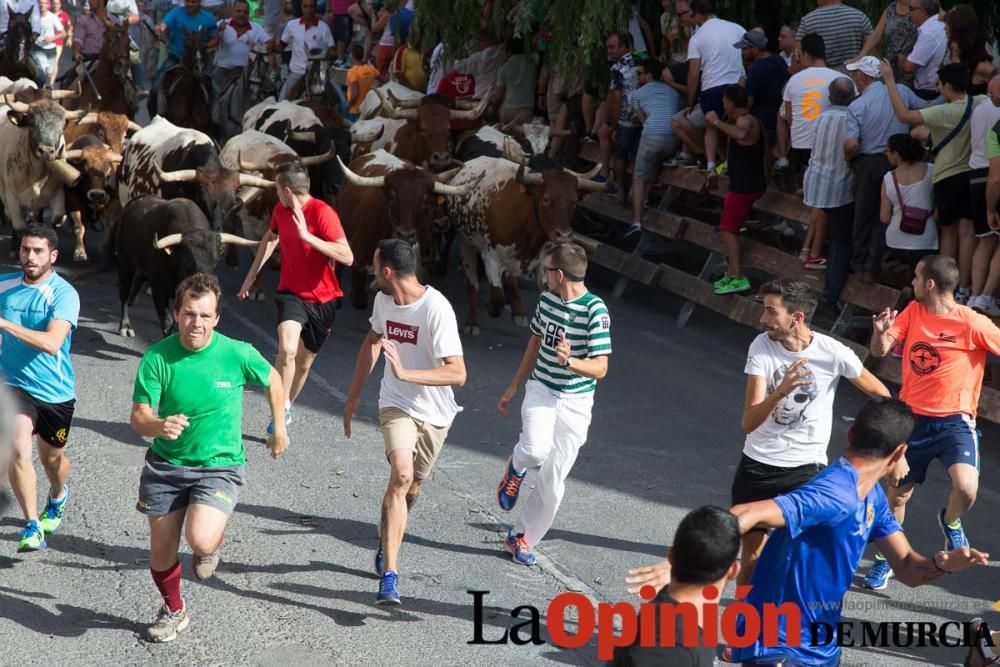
944 356
792 375
40 309
188 397
415 326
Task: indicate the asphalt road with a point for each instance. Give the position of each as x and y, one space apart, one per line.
295 585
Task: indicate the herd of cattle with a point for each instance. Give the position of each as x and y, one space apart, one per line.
411 167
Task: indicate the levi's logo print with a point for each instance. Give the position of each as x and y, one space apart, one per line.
402 333
923 358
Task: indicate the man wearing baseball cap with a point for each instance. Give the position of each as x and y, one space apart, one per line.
766 77
870 123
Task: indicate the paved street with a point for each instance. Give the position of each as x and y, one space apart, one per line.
296 585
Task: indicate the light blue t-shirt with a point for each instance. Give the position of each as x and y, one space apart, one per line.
811 561
48 378
178 20
660 103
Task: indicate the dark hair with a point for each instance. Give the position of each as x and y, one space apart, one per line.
814 45
624 37
198 286
736 94
932 7
398 255
571 259
706 545
882 424
358 51
39 231
514 46
943 270
293 175
955 75
653 66
971 42
796 296
908 148
241 2
703 7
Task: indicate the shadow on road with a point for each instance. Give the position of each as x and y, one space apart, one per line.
69 621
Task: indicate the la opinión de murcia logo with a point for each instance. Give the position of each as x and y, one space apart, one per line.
768 626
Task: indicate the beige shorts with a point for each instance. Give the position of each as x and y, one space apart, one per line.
401 431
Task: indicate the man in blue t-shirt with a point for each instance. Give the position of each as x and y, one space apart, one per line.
820 533
38 310
178 22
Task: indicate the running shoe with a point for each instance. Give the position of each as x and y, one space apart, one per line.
52 515
168 624
954 538
204 566
815 263
977 655
681 160
724 280
379 561
518 548
510 486
734 286
288 420
962 295
632 229
984 304
388 589
878 576
32 537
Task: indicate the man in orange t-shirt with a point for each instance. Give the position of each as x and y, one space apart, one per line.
361 78
944 356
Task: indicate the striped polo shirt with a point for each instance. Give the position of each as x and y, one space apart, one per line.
585 323
842 28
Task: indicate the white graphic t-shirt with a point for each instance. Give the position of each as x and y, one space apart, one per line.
798 431
425 332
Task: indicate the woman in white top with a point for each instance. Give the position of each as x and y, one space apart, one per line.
913 178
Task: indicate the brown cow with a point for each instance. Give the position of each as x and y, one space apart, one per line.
385 197
88 199
108 126
507 221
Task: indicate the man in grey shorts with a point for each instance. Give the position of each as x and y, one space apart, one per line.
188 397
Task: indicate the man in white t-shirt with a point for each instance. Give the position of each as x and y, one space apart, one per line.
985 278
238 35
929 50
713 64
415 326
792 375
303 36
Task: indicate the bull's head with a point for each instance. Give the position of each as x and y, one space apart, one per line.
276 161
432 124
110 127
197 251
99 165
218 185
44 121
555 193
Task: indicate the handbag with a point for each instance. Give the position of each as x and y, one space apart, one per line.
913 219
934 150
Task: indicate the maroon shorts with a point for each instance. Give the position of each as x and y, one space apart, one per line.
736 210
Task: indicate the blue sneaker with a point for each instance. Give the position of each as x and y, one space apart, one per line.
518 548
288 420
878 576
954 538
388 589
52 516
510 486
379 561
32 538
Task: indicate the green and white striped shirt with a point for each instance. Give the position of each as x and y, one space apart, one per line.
587 326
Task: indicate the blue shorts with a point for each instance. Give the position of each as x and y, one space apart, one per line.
711 100
785 661
952 439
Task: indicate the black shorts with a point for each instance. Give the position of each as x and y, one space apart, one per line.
756 481
51 421
627 142
316 318
977 196
342 27
951 195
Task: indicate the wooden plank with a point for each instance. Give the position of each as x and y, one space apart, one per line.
776 202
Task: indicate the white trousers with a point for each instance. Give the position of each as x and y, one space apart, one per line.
553 428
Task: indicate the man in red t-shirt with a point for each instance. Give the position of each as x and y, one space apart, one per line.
311 241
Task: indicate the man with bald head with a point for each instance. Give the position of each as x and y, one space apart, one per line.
984 190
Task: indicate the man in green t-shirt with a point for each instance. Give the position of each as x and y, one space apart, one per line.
188 397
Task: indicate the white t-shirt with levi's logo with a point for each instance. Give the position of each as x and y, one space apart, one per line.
424 332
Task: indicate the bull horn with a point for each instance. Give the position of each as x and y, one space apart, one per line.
19 107
466 104
361 181
114 157
73 154
471 114
247 194
134 126
588 185
302 136
256 181
410 103
531 178
457 190
64 170
314 160
167 241
179 176
508 151
74 115
445 176
236 240
404 114
88 119
370 137
587 175
246 165
65 94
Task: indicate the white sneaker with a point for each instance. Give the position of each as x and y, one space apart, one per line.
984 304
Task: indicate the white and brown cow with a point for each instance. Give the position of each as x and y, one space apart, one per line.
507 221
